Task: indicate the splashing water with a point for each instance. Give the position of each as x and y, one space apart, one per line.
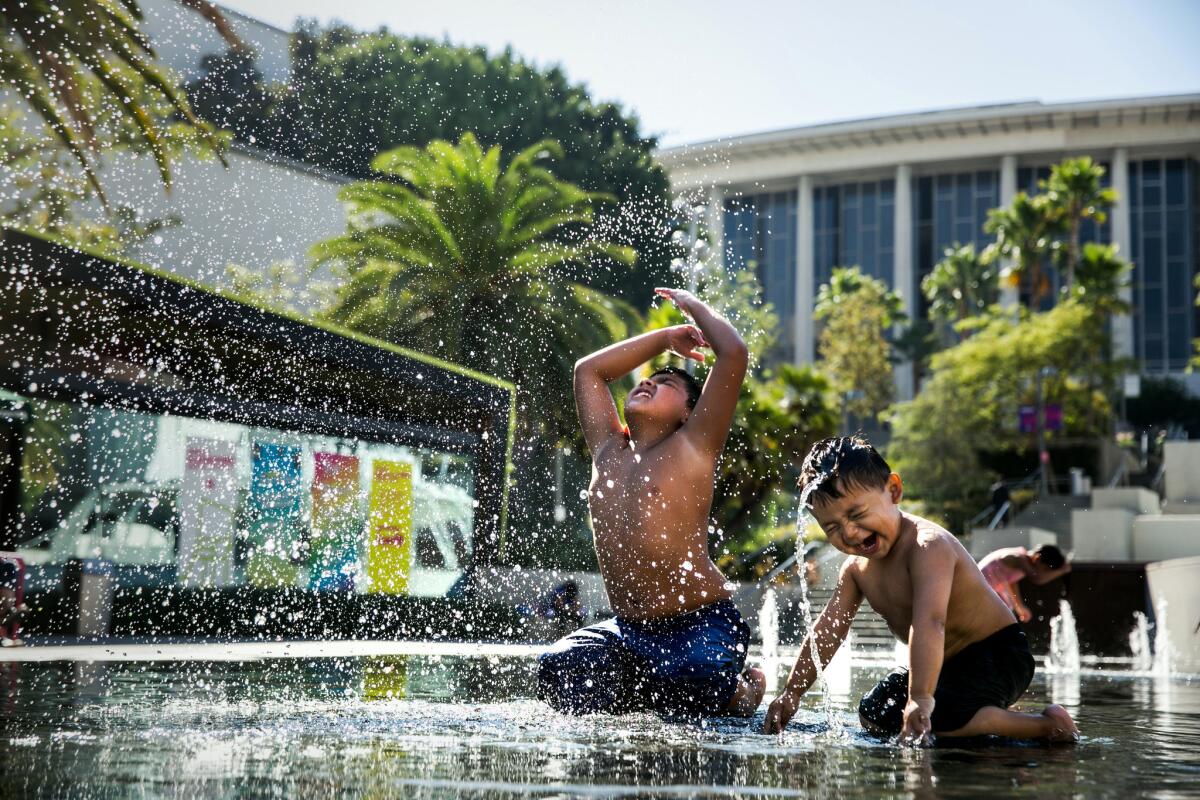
1139 643
1161 665
1064 641
803 515
768 625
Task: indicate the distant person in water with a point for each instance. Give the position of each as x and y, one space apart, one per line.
1004 569
677 645
968 658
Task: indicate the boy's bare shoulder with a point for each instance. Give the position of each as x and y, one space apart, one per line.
933 542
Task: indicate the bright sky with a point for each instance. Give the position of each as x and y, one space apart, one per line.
701 69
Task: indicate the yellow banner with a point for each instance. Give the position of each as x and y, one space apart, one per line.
389 560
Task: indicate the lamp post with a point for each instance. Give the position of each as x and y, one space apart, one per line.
1043 453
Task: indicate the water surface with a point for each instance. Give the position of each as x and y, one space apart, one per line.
434 725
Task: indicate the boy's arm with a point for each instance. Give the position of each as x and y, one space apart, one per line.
593 399
1017 604
932 575
829 632
708 425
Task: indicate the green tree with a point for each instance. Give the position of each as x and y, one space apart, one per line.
961 285
970 400
1074 193
459 257
51 50
353 94
1024 233
856 312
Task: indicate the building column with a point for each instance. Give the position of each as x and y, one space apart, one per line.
1010 296
904 277
715 222
1122 237
803 333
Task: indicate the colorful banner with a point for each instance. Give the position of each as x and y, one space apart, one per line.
336 523
207 504
275 513
389 525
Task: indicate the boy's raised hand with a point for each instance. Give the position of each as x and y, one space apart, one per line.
684 341
684 300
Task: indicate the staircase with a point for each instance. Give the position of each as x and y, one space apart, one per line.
869 630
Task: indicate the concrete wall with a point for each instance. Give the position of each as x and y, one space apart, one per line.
1182 461
1103 534
984 541
1133 499
1167 536
254 213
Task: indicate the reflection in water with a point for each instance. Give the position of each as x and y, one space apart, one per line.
417 726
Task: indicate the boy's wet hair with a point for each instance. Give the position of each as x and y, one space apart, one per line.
841 464
689 381
1049 555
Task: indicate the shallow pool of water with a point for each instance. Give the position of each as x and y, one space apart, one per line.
431 725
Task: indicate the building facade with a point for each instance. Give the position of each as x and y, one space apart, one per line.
891 194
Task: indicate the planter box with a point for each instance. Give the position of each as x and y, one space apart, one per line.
1104 534
1168 536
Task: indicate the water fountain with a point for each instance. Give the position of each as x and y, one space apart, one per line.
1162 663
1064 641
1139 643
768 625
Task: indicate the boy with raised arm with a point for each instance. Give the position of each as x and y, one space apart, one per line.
677 644
968 658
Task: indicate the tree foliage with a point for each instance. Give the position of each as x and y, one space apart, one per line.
352 95
461 257
971 398
72 59
961 285
1074 193
856 312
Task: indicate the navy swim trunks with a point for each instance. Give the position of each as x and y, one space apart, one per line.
991 672
686 665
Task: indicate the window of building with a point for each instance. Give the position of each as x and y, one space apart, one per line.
760 231
1162 232
854 227
950 210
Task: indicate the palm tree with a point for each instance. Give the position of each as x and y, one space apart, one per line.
1073 193
961 285
463 259
1024 233
50 48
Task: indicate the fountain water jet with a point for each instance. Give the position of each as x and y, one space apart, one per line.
1064 641
1139 643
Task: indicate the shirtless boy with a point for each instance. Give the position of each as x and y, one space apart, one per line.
677 644
1004 569
968 658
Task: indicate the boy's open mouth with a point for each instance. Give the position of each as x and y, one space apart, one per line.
870 544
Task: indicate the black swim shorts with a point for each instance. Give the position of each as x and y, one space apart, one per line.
991 672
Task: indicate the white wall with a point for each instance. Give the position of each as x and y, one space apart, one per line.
181 38
252 213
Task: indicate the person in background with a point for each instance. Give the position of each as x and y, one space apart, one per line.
1007 567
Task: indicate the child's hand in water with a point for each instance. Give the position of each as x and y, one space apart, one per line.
780 713
917 726
684 341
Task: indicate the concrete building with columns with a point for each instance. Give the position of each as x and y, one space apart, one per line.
890 194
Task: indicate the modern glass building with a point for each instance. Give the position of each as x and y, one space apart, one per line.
891 194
